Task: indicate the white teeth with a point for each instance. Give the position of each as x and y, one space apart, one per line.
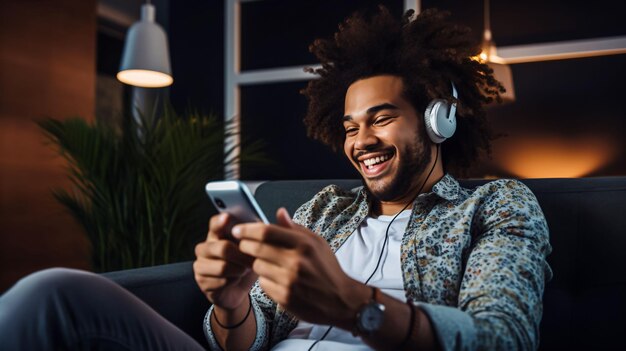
376 160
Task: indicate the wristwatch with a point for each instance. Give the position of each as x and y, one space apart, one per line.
369 319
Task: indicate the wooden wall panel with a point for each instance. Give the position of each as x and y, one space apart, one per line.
47 69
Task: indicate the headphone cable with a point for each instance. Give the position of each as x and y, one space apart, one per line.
386 239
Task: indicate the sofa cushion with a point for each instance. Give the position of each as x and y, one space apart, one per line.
171 291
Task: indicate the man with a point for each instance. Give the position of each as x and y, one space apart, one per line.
411 260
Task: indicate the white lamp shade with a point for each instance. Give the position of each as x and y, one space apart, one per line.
146 61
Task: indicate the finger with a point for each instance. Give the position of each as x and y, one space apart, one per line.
276 273
220 227
283 218
218 268
275 291
267 233
261 250
224 250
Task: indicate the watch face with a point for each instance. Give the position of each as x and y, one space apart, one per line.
371 317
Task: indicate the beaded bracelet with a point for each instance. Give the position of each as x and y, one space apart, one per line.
234 325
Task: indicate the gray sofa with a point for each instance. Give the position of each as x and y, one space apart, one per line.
584 305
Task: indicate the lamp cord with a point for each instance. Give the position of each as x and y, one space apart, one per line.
486 21
386 239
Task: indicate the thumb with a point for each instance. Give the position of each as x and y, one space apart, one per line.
283 219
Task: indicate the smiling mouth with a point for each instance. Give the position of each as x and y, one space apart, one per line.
371 162
373 166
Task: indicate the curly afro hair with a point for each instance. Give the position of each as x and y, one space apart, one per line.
428 52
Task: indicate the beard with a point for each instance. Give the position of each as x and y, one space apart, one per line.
418 157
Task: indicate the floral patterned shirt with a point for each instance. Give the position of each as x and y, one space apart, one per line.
474 260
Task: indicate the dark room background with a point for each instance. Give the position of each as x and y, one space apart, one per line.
59 58
568 119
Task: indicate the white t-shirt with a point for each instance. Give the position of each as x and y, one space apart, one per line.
358 257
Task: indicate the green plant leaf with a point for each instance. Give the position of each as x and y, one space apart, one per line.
138 190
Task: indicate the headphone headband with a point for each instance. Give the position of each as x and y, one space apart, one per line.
453 107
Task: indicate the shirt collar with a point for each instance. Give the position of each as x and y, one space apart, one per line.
447 188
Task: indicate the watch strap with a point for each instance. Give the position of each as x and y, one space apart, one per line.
375 294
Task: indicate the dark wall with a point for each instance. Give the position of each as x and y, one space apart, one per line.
567 120
47 66
196 31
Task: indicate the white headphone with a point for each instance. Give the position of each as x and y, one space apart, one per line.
440 118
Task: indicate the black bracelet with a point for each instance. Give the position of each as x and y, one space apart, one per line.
234 325
409 332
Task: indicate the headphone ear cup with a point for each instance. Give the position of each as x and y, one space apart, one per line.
440 125
430 120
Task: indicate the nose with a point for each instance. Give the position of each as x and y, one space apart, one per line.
365 140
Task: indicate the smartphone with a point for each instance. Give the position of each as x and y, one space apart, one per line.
234 198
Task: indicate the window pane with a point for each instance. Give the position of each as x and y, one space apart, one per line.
273 113
277 33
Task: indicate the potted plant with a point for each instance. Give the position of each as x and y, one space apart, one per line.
138 190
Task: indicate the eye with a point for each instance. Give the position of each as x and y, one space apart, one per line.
351 130
383 120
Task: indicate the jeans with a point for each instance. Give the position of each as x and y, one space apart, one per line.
67 309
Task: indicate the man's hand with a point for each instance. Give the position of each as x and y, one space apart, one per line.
221 271
298 270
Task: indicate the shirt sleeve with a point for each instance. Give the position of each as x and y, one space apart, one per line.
500 298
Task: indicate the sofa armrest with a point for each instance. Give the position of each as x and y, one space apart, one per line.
171 291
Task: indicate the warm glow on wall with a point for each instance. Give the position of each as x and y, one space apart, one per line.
552 157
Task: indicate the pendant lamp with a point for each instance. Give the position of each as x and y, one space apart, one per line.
489 55
146 59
